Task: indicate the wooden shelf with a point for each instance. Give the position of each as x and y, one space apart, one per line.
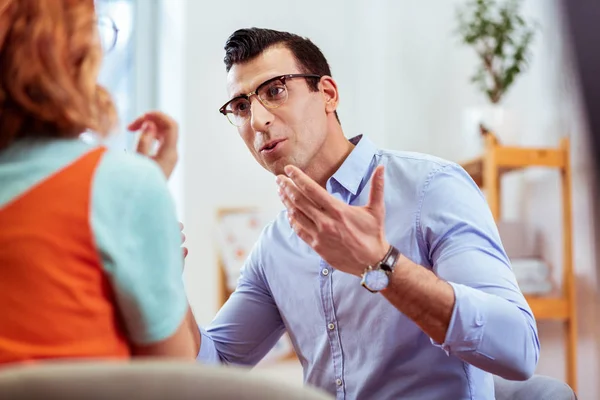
487 170
509 159
555 308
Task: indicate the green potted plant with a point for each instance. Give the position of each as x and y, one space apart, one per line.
501 39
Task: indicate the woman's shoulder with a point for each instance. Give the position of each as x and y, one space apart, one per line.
127 167
28 162
127 176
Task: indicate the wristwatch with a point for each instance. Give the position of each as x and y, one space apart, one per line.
377 277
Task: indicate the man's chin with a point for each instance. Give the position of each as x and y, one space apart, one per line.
279 170
277 167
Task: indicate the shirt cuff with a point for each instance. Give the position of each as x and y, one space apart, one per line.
467 322
208 351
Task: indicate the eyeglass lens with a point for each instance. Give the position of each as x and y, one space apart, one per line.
271 95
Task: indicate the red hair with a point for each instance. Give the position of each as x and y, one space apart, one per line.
49 59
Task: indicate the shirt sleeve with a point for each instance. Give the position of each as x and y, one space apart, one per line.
492 326
248 325
138 235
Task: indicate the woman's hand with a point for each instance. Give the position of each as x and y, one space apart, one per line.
159 127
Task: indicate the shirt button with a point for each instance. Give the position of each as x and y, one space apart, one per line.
325 272
331 326
338 382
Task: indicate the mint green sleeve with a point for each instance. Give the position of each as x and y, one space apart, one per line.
138 237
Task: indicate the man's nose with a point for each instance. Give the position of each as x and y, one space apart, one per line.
261 117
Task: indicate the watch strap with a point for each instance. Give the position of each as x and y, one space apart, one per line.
388 262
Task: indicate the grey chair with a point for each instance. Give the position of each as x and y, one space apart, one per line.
144 380
538 387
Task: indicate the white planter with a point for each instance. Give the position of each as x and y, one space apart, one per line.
496 118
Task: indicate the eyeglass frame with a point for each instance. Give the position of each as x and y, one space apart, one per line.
282 78
112 25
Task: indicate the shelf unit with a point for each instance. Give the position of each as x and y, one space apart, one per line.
487 170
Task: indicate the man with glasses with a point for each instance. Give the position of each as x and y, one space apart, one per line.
402 293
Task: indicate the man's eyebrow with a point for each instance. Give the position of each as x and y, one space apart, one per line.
238 94
243 94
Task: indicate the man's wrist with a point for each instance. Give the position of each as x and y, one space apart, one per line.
401 269
377 256
377 277
381 253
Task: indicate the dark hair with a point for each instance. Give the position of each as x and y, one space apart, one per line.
246 44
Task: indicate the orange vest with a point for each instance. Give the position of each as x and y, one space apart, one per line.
55 299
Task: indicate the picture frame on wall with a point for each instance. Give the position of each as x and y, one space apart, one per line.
238 229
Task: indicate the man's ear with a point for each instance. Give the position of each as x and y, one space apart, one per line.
330 93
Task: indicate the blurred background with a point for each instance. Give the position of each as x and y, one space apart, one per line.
404 71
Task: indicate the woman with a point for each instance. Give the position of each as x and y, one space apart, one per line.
90 256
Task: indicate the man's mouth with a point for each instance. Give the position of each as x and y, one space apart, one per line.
271 146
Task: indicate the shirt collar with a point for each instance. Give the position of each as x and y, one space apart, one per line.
355 166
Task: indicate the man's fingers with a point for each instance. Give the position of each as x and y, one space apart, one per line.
303 233
311 189
299 220
297 199
297 217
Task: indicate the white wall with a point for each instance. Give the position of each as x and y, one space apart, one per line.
403 80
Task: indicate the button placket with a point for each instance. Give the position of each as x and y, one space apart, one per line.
326 276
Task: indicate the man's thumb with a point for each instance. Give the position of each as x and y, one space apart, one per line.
376 199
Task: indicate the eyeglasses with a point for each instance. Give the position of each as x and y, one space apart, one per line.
271 94
108 33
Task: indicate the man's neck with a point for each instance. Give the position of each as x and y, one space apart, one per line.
333 154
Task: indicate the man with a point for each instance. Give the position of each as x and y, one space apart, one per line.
398 293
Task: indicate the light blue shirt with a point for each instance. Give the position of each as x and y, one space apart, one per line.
357 345
133 222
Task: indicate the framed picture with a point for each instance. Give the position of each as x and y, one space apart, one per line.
238 229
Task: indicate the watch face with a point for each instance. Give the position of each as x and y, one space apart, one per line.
375 280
